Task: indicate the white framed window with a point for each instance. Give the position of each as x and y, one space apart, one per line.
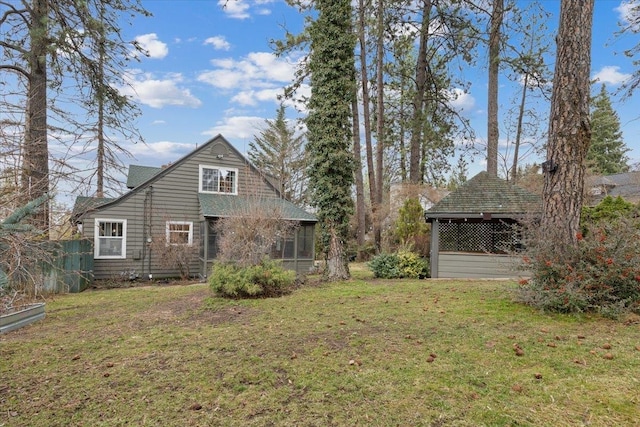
179 233
110 240
214 179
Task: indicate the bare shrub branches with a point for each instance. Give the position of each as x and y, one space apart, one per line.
256 225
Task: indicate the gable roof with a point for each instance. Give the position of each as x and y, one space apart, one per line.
486 194
83 204
138 174
223 205
145 175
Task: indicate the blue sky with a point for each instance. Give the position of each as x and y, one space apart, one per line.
211 70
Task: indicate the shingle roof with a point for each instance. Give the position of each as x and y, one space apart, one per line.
486 194
83 204
139 174
223 205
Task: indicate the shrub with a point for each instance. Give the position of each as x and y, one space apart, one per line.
266 279
410 228
402 264
600 273
609 209
385 266
412 265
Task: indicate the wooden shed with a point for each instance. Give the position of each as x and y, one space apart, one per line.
474 231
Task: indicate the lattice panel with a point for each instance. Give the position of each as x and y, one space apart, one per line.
485 237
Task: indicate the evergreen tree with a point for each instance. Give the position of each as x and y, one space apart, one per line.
331 62
279 152
16 252
46 45
606 154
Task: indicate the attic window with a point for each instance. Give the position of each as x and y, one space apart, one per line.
215 179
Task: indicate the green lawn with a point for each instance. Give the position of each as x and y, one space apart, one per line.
359 353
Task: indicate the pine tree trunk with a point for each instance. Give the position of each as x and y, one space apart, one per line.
418 101
35 160
379 121
357 160
494 65
569 127
516 148
366 116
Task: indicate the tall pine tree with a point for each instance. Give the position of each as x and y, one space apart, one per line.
607 153
279 151
331 62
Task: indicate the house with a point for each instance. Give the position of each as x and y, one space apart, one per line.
179 205
625 185
473 233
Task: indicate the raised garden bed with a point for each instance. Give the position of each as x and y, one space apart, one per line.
17 317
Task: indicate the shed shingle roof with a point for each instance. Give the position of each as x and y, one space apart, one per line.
486 194
223 205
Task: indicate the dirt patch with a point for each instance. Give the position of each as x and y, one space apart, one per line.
101 284
192 309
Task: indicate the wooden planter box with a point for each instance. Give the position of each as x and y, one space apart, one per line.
21 316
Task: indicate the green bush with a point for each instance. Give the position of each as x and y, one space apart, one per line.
267 279
600 273
610 210
402 264
385 266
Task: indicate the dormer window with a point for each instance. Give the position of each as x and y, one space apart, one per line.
214 179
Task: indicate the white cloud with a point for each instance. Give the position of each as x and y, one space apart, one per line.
160 152
218 43
237 127
628 14
252 97
154 47
611 75
460 100
258 77
236 9
158 93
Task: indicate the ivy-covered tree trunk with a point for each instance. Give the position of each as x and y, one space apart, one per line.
331 63
569 127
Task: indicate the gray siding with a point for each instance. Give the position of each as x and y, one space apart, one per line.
473 265
173 197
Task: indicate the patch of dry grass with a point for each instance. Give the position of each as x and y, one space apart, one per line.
363 352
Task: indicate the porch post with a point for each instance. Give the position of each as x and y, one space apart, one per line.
435 247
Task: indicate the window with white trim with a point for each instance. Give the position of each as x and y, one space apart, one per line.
214 179
110 240
179 232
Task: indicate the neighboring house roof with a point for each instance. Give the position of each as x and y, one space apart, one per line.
139 174
625 185
485 194
223 205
